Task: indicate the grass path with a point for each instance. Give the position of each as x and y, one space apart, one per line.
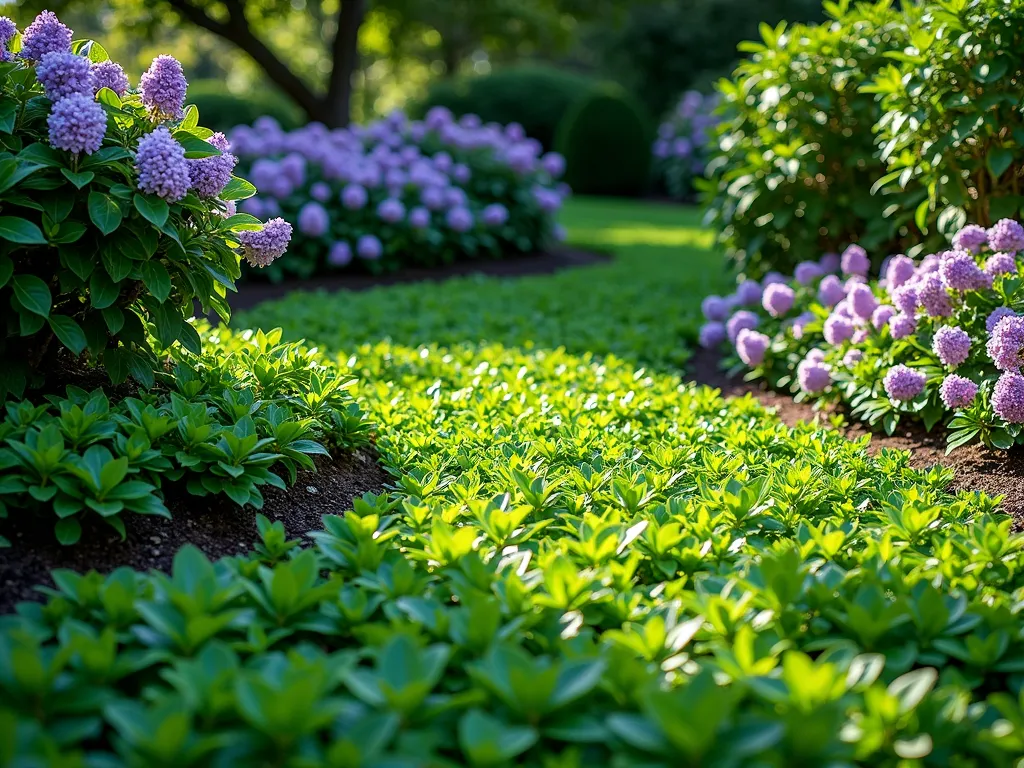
640 307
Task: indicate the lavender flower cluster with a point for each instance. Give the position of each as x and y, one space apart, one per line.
681 147
930 334
399 188
77 122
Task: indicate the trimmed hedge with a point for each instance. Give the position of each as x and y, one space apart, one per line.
606 139
536 97
222 110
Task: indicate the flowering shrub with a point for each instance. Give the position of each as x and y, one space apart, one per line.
400 191
940 340
681 149
118 210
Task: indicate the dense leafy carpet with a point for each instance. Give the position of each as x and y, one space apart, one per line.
584 562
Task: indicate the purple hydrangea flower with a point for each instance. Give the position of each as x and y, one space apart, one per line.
162 167
494 215
554 164
952 345
340 254
163 88
1006 235
860 335
354 197
369 247
960 272
419 217
830 262
971 238
957 391
293 168
807 272
898 271
62 74
852 357
903 383
261 247
855 261
1006 342
715 308
461 173
998 314
902 325
749 292
881 316
815 355
313 220
1001 264
772 278
862 301
905 299
109 74
320 191
1008 398
778 299
432 198
77 124
751 346
209 175
391 210
742 320
929 263
800 322
831 291
8 29
44 35
812 375
459 219
712 334
934 296
837 329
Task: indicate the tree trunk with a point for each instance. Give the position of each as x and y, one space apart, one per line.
333 107
345 59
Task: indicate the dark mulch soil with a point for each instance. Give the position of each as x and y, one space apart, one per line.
251 293
214 524
997 473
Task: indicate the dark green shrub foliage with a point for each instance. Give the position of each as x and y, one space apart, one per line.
606 141
952 120
222 109
666 47
535 97
793 175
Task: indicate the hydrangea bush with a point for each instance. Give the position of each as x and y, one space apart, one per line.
681 149
117 210
938 340
400 191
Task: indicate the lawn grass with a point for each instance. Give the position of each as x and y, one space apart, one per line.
644 306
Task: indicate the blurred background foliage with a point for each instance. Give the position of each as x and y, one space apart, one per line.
408 49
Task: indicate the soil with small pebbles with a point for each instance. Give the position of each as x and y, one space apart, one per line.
214 524
977 468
